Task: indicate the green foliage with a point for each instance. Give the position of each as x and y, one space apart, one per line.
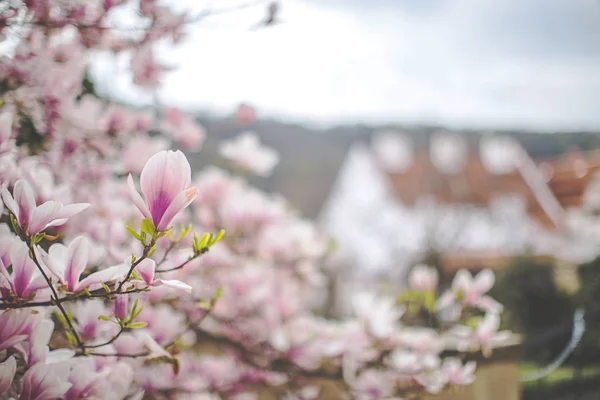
588 351
534 304
202 244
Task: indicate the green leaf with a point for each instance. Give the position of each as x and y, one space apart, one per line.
204 240
218 237
152 251
135 325
184 232
105 287
218 293
203 304
103 318
133 233
134 306
71 338
148 227
137 313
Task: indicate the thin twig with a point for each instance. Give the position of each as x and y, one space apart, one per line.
58 303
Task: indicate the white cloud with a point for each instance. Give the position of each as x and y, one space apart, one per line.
390 64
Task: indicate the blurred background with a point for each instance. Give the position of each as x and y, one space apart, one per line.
457 133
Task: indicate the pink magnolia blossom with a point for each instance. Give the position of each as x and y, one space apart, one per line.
45 382
32 218
165 183
484 336
457 373
15 326
25 278
378 314
372 385
423 278
471 291
121 306
67 263
146 270
246 152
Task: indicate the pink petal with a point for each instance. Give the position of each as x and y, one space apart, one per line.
10 203
146 270
462 281
484 281
180 202
42 216
7 373
25 199
55 260
77 257
39 339
445 300
165 175
71 209
155 349
23 267
489 304
176 285
106 275
44 382
137 199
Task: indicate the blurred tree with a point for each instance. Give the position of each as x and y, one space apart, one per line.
535 306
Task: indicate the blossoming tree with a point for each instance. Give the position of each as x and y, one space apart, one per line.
122 276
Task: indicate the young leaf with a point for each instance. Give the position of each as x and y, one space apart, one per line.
133 233
218 237
135 325
71 338
218 293
148 227
103 318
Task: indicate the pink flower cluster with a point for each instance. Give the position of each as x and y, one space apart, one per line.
116 281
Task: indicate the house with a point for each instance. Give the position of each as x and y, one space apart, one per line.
474 205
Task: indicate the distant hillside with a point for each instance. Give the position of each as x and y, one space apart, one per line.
310 159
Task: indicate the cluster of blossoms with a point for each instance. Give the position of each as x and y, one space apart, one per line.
109 293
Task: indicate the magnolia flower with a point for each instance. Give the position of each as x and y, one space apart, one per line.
423 278
485 335
247 153
471 291
379 315
25 278
31 218
165 182
45 382
146 270
372 384
121 306
15 326
457 373
67 263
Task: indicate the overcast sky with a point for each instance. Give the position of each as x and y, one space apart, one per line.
477 63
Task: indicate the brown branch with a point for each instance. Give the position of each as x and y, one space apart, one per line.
183 264
100 293
136 263
57 300
111 341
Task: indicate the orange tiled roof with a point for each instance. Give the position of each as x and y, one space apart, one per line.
474 184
